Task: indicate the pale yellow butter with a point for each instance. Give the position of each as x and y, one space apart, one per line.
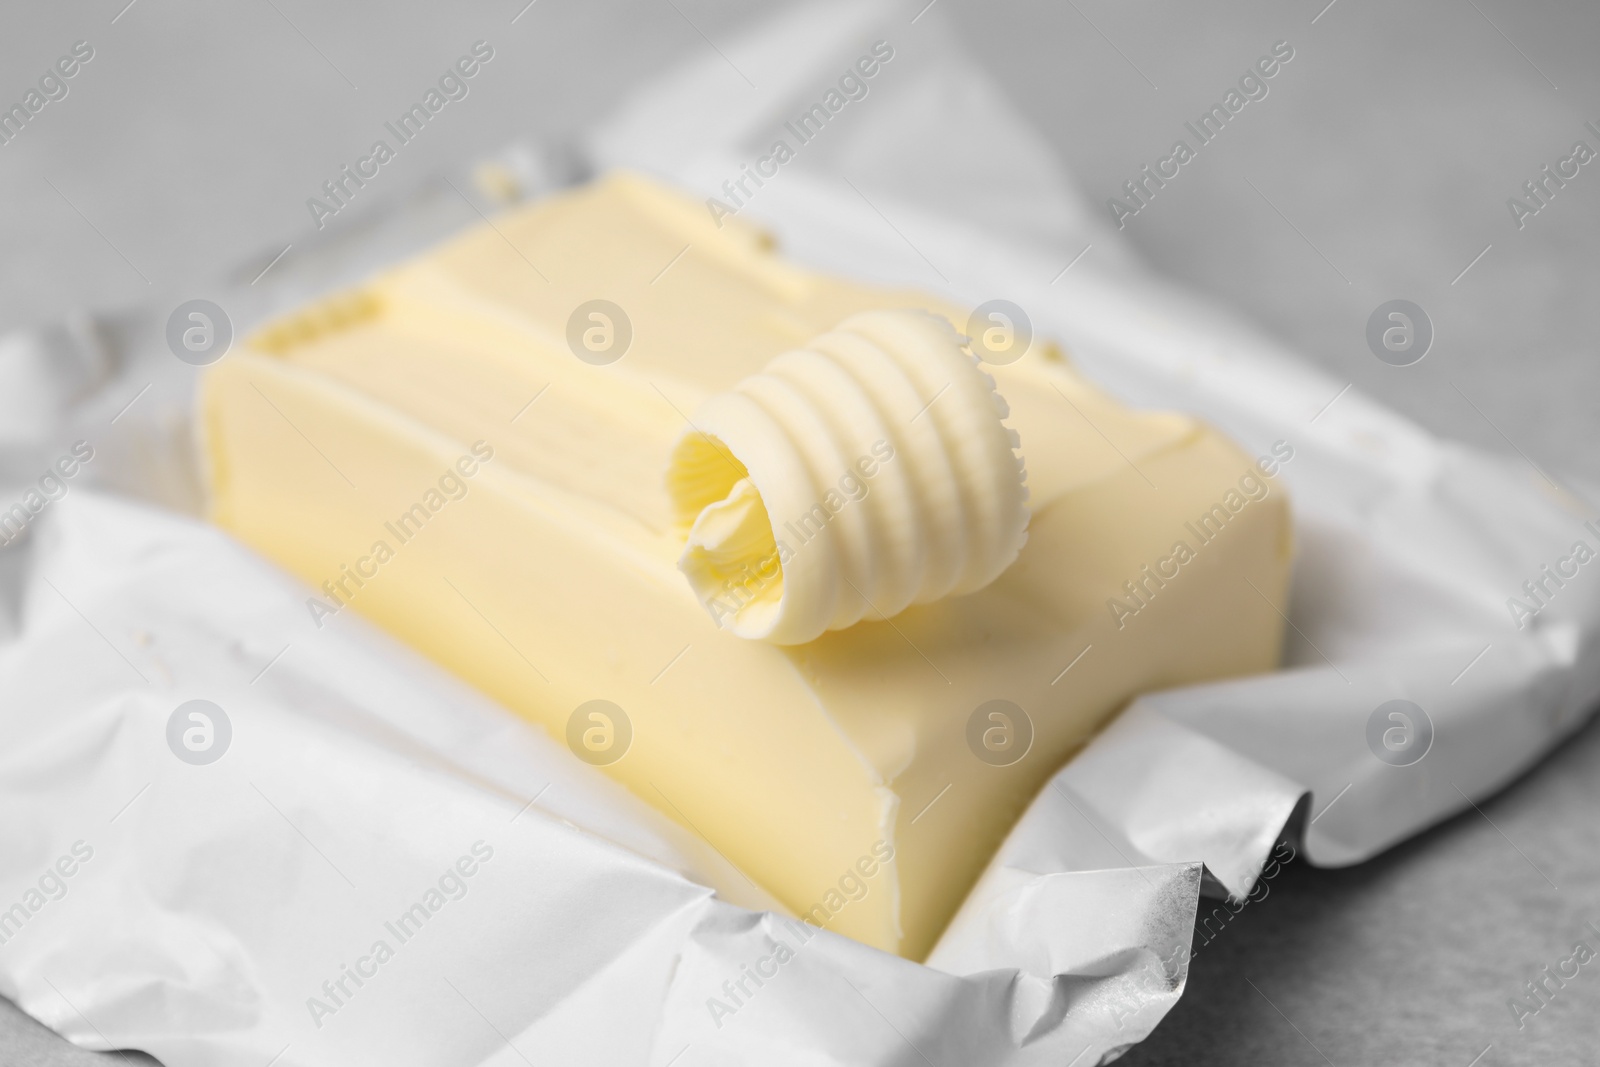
837 773
764 479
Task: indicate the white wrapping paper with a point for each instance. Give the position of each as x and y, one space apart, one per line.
232 912
1408 547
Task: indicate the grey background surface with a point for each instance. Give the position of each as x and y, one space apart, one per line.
1378 167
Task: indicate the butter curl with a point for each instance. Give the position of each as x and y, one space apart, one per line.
850 479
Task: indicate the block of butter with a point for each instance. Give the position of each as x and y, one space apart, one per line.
471 451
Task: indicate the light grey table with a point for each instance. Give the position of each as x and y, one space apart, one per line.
1378 166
